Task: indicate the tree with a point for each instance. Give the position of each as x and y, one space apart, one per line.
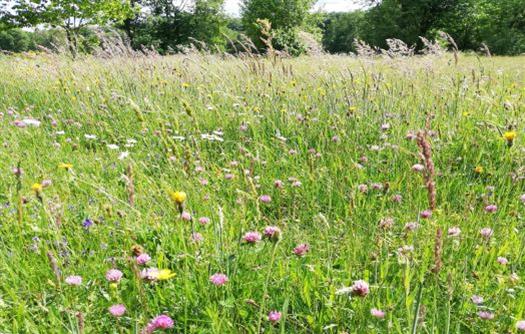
404 19
340 30
70 15
16 40
167 25
285 16
498 24
502 27
208 23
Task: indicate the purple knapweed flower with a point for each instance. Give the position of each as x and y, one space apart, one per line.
252 237
274 316
186 216
486 315
143 258
159 322
418 168
17 171
486 232
149 274
204 220
114 275
454 231
219 279
74 280
265 198
272 232
411 226
491 208
377 313
360 288
478 300
397 198
117 310
301 250
425 214
196 237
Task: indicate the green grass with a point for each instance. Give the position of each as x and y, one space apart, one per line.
308 101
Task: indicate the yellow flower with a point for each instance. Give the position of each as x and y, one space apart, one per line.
510 136
65 165
185 85
165 274
178 196
478 169
37 188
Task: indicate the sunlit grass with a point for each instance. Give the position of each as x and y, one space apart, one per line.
289 143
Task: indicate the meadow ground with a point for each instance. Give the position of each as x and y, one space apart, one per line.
246 196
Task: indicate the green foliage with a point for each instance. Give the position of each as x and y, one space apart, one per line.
403 19
288 40
70 15
340 30
172 26
498 24
208 23
285 17
504 26
16 40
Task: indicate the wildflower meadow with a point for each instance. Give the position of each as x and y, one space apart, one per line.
208 194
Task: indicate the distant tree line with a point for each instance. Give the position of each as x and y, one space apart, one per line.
500 24
169 26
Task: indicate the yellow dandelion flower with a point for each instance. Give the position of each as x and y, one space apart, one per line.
510 136
178 196
37 188
165 274
478 169
65 165
185 85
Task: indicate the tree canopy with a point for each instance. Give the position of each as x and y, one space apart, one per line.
171 25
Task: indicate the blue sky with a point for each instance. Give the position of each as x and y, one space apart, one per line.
232 6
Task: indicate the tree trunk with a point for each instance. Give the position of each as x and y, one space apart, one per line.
71 41
128 25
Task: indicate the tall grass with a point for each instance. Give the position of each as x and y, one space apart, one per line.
135 129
